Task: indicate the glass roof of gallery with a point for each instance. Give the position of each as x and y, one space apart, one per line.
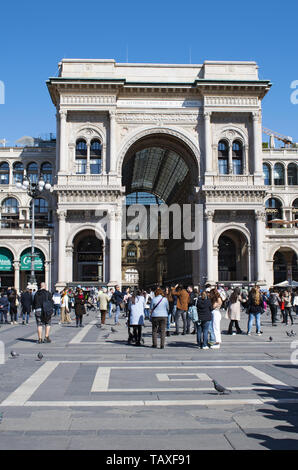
155 170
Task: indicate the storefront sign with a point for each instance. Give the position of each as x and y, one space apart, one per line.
26 261
6 260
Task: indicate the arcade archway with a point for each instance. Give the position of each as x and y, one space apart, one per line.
233 259
285 265
87 257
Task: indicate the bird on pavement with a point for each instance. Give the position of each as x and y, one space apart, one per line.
270 338
113 330
98 325
293 333
14 354
40 356
219 388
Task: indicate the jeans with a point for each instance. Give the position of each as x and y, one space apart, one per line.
177 316
147 313
3 316
273 309
204 328
288 311
211 332
110 309
26 313
117 314
159 323
251 317
57 310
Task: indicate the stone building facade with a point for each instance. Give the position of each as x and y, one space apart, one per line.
153 134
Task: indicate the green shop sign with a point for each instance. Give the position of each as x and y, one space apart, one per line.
6 260
26 261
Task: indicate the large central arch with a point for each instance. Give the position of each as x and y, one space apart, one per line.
166 166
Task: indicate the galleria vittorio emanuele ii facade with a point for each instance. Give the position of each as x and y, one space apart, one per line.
153 134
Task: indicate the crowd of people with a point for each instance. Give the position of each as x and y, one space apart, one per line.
199 310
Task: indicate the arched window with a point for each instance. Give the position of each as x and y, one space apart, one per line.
41 212
237 156
9 213
273 212
18 172
131 253
279 174
4 173
267 174
95 157
295 211
46 172
293 174
223 158
81 157
32 172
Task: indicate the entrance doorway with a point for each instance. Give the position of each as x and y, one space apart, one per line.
232 256
87 257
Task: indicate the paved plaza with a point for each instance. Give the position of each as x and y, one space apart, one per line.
92 390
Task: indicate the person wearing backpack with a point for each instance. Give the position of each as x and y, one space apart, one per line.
43 306
159 314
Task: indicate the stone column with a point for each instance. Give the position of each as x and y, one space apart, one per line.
115 247
112 142
16 265
245 160
47 276
209 214
208 146
260 218
57 141
104 159
257 144
88 159
61 247
249 262
230 159
62 143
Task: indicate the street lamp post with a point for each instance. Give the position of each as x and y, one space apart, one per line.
33 190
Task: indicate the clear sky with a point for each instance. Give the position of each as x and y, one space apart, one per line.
36 35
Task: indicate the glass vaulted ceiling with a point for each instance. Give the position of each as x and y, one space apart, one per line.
156 170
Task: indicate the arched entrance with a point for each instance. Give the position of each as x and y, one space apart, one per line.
233 262
161 169
25 267
285 266
6 268
87 257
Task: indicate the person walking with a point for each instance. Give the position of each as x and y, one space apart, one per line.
26 305
255 307
117 299
103 299
295 302
79 306
159 314
216 302
4 307
110 294
170 298
233 311
65 317
43 308
182 306
273 302
136 318
204 308
193 297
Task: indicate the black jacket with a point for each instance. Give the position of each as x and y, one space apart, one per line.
26 300
204 308
40 297
117 297
252 307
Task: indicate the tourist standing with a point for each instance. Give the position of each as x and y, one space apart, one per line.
26 304
204 308
288 306
255 307
159 315
170 299
4 307
136 317
182 306
233 311
216 302
117 299
57 303
273 302
295 301
65 317
103 299
13 305
43 308
110 294
79 306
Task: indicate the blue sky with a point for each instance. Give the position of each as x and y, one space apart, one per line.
35 36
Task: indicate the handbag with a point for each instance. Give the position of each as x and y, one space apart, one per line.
193 313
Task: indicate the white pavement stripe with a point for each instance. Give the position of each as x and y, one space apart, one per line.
101 380
81 335
180 362
202 389
26 390
264 377
113 404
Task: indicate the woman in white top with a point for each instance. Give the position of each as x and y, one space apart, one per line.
137 304
295 301
65 317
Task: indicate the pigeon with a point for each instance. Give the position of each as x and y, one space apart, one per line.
270 338
98 325
288 333
14 354
113 330
219 388
293 333
40 356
